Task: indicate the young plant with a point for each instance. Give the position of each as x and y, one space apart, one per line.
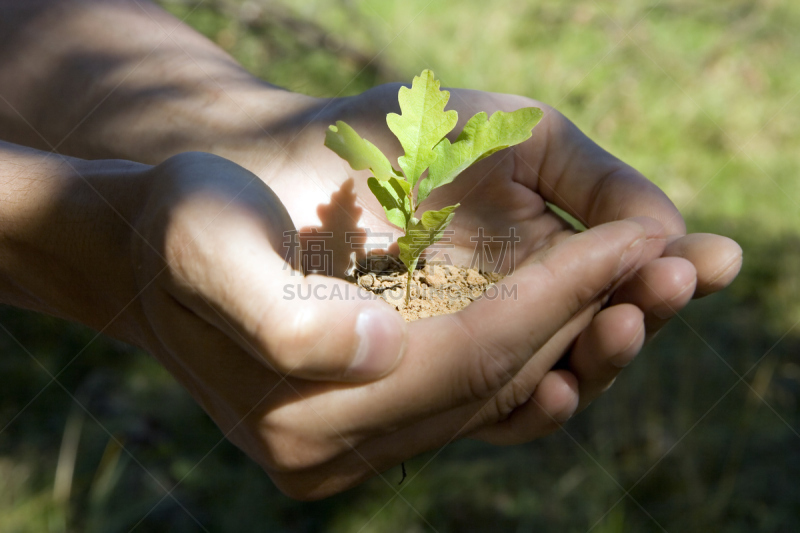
421 128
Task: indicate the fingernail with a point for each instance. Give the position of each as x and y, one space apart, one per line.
382 340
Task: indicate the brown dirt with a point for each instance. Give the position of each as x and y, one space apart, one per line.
437 289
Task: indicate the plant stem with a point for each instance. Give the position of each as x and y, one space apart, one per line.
408 228
408 288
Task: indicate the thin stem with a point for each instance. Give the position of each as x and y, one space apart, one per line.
408 228
408 288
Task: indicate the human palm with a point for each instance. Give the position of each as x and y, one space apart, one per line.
503 196
324 193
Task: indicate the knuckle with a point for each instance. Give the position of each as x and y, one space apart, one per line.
315 485
578 294
503 404
513 395
288 444
577 298
493 367
294 450
283 340
296 488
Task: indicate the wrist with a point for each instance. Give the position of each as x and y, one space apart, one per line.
159 90
65 238
241 119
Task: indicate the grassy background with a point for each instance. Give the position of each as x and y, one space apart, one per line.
700 434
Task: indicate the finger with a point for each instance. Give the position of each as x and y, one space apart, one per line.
606 342
312 327
457 359
580 270
660 289
227 254
522 386
377 449
555 400
239 393
224 379
610 343
717 259
543 405
330 336
466 358
574 173
528 378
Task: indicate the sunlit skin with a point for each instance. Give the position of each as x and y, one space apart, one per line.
183 255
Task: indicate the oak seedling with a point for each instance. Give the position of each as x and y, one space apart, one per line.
421 128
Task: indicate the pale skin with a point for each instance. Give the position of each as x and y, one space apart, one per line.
183 255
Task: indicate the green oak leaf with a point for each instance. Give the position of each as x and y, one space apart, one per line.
423 233
421 128
360 153
393 196
422 125
480 138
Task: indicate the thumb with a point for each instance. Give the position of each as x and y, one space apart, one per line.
224 250
324 328
544 297
473 354
311 327
578 272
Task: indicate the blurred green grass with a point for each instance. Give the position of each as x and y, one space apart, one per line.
701 97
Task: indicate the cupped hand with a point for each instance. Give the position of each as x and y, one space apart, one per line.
276 373
509 192
325 392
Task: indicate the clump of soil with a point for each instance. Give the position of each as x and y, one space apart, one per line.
436 289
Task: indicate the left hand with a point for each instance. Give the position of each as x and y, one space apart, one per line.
560 165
